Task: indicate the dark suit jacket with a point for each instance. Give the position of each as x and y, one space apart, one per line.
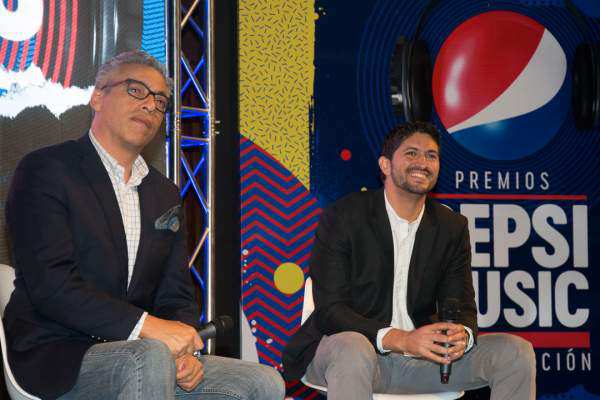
70 258
352 267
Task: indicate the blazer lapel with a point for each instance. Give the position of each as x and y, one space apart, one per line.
380 223
93 169
422 248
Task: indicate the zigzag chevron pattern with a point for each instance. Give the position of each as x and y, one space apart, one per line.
278 220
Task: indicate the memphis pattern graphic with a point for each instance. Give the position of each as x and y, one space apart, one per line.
278 220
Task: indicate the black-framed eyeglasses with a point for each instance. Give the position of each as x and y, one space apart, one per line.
140 91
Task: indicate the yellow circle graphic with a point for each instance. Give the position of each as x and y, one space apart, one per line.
288 278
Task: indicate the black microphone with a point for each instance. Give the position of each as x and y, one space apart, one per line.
216 327
449 312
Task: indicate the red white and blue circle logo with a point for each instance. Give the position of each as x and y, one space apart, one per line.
499 85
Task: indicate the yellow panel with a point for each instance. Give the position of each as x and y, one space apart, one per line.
276 47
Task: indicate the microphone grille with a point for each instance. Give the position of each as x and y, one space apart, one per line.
223 323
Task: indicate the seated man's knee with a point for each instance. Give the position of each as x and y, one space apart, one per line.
154 355
268 383
352 347
523 353
143 365
517 353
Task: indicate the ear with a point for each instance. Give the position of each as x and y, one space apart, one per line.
384 165
96 100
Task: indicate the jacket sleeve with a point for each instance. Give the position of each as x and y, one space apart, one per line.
330 271
457 281
175 297
46 257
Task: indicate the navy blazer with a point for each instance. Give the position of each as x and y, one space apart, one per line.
70 256
352 268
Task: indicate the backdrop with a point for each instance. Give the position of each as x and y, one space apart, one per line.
316 99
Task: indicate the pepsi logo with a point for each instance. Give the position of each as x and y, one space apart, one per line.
499 85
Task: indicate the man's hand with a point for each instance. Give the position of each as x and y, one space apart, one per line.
190 372
426 342
458 338
180 338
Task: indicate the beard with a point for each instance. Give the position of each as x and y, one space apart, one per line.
402 181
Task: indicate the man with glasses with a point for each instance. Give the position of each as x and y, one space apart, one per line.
103 305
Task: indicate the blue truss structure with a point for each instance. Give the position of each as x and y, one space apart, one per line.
189 132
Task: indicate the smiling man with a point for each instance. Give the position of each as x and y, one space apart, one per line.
383 264
104 306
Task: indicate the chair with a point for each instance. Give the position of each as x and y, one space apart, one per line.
309 306
7 277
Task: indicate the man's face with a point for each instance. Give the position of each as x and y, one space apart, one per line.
414 166
131 123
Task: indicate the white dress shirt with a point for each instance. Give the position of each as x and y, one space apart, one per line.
129 205
403 234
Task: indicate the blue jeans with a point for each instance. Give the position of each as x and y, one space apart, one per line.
145 370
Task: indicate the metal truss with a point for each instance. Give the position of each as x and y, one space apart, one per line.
190 133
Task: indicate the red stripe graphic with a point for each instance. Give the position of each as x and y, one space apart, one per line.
257 160
24 55
3 49
277 210
271 348
38 43
72 43
259 316
491 196
268 243
285 228
50 38
258 263
264 177
554 340
13 56
275 196
266 293
15 45
61 41
266 357
274 312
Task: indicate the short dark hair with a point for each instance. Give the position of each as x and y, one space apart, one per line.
401 132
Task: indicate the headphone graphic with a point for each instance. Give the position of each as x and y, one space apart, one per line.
411 74
586 76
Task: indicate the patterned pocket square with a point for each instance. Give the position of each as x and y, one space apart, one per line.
169 220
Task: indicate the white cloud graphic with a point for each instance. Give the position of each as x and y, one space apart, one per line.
29 88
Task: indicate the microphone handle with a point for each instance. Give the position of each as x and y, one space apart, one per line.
208 331
446 369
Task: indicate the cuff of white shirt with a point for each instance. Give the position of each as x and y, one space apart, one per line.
380 334
471 340
135 333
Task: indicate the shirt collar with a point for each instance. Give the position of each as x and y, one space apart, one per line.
394 218
139 169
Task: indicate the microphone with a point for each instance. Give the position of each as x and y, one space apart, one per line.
213 329
449 312
216 327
